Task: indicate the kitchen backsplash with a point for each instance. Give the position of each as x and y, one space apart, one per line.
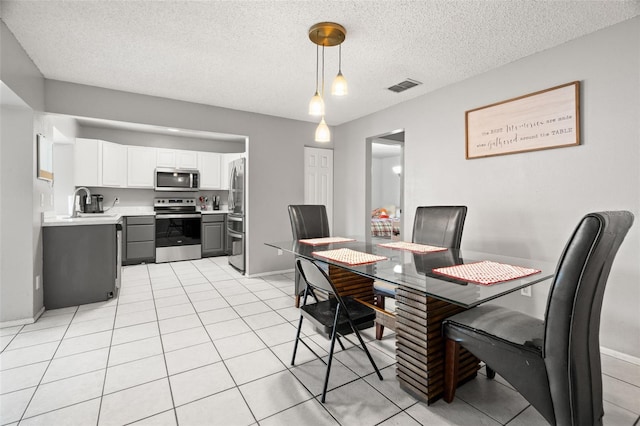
144 197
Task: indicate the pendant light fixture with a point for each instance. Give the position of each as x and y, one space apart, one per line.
316 105
339 86
323 134
326 34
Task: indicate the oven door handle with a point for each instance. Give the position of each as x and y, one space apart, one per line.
178 216
235 234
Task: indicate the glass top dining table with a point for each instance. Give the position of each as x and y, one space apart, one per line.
415 270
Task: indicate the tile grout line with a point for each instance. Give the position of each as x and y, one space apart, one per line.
271 309
106 367
166 369
164 356
289 368
45 371
516 416
237 387
13 337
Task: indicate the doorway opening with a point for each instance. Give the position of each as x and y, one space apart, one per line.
385 186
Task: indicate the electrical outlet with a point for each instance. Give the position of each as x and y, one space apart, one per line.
279 252
37 282
526 291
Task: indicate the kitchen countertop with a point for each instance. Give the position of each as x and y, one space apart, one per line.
110 217
225 211
93 219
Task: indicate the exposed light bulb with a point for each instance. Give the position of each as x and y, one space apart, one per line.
339 86
322 132
316 105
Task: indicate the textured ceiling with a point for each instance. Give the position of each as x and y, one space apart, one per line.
256 55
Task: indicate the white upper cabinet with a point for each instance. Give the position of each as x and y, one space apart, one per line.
141 164
177 158
186 159
87 162
165 157
114 164
100 163
209 167
226 159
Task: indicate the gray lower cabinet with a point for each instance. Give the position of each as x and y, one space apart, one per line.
139 238
79 264
214 232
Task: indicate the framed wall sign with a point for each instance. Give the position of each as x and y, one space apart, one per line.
542 120
45 158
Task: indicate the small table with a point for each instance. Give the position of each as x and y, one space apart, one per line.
423 300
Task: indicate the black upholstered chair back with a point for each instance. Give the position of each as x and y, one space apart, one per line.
309 221
439 225
572 325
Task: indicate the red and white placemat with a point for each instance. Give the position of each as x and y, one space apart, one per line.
325 240
348 256
486 272
414 247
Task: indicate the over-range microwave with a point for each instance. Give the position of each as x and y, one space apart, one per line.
177 180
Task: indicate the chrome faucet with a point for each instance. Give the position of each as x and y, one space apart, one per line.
75 193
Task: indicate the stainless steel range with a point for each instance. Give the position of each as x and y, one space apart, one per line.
178 229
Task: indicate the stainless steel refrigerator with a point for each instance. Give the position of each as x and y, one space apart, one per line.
235 218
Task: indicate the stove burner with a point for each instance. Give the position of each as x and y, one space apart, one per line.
174 205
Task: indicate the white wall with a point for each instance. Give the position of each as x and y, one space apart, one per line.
275 152
524 204
385 184
19 72
21 192
376 183
65 130
16 187
42 201
63 179
129 137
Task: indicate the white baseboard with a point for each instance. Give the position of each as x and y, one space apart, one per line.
24 321
266 274
619 355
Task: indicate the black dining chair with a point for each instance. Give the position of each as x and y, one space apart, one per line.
554 363
439 226
334 316
307 221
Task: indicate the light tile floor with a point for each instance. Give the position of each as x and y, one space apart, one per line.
196 343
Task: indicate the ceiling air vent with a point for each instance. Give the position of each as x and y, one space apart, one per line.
404 85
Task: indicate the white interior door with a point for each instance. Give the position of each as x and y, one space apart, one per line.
318 179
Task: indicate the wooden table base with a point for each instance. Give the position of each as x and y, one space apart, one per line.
351 284
420 346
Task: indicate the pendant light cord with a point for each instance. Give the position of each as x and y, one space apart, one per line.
323 71
317 53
